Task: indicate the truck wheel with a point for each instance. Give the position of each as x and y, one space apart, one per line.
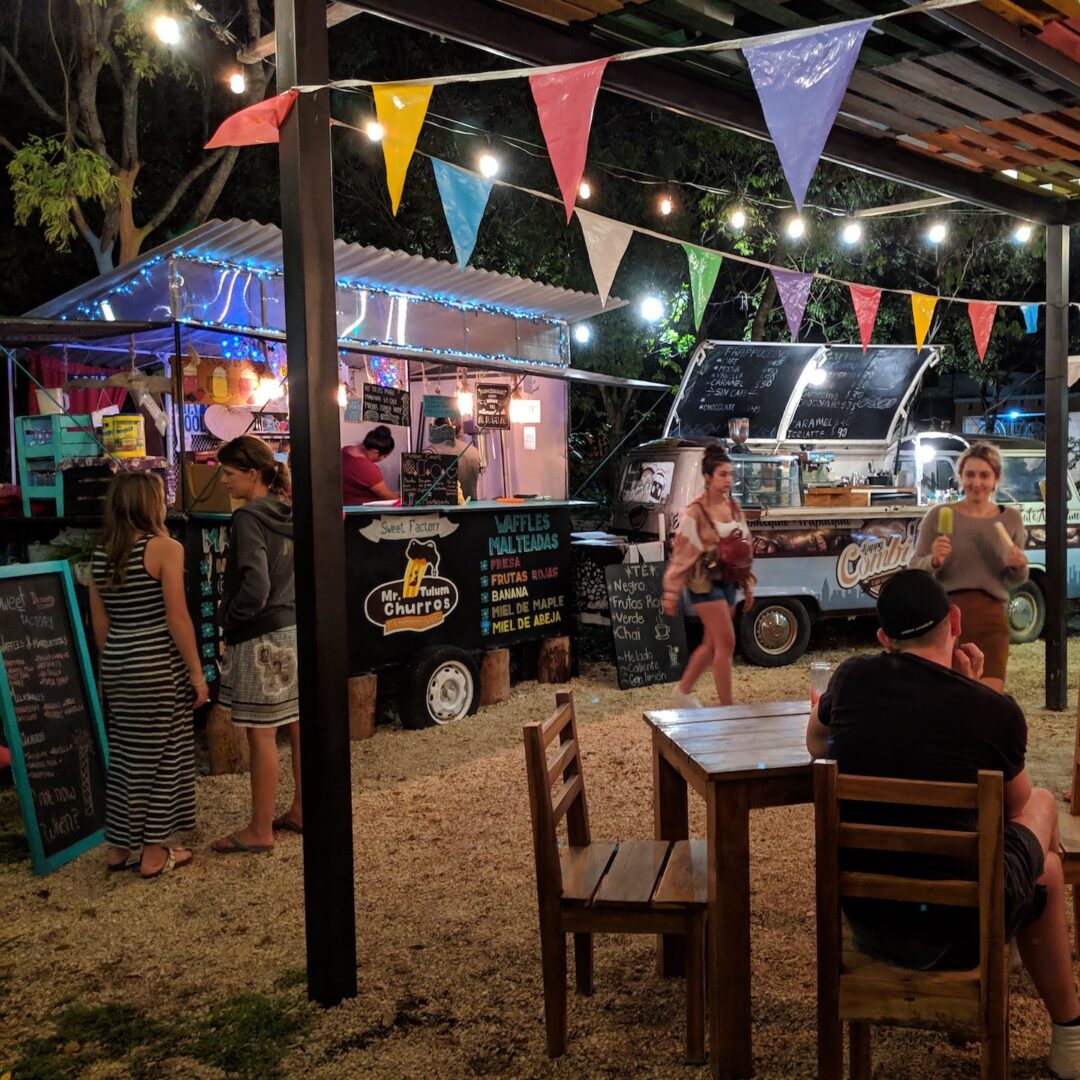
1025 612
774 632
442 687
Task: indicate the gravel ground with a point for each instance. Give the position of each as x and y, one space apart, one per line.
449 966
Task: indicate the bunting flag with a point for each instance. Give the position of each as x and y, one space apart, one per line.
401 111
982 322
794 290
1031 317
258 123
922 311
564 102
865 301
800 84
606 241
464 198
704 266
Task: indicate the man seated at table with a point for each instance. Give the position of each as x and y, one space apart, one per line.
361 480
917 711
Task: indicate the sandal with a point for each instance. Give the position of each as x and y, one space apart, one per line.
129 863
173 861
233 845
286 824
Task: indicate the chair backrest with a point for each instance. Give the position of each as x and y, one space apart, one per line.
982 848
548 807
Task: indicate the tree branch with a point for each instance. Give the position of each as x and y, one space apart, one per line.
35 95
217 182
184 183
8 145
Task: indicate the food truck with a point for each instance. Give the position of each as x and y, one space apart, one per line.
432 584
826 533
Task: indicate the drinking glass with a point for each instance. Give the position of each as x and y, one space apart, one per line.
820 674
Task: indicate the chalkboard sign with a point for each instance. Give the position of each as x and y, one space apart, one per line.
740 378
440 405
649 647
492 405
860 396
419 472
50 712
386 405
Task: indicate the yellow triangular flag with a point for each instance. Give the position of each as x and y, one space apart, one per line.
922 310
401 111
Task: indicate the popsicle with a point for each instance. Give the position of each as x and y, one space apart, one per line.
944 521
1003 533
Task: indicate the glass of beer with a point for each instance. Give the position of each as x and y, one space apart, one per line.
820 674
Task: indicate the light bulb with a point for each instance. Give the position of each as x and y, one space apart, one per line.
374 130
925 453
465 402
582 333
937 233
816 376
167 30
852 232
665 206
489 165
584 191
237 82
1023 233
795 228
651 309
342 396
738 219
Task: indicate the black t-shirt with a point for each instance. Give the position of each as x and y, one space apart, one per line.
898 715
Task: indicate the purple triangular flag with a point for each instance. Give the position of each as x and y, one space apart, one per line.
800 84
794 290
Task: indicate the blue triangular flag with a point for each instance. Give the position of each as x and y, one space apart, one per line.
1031 317
464 197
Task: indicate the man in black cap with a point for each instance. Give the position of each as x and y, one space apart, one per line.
917 711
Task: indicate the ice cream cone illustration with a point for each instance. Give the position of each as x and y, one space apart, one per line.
414 574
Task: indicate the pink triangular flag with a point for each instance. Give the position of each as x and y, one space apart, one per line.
794 290
606 242
982 322
564 102
865 301
257 124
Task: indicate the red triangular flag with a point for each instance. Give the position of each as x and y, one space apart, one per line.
258 123
865 301
982 322
564 102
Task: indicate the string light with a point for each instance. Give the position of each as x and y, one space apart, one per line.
665 206
852 233
738 219
1023 233
651 309
374 130
582 333
584 190
489 165
342 396
237 82
167 30
937 232
816 376
796 227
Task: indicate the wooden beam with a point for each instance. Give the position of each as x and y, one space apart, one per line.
267 45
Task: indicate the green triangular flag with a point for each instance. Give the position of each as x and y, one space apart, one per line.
704 266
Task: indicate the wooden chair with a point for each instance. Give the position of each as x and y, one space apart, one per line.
602 887
856 988
1069 830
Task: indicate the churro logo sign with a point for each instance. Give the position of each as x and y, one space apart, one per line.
877 550
420 601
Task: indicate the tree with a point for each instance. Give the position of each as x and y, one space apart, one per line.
109 82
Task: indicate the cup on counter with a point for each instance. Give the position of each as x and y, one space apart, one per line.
820 674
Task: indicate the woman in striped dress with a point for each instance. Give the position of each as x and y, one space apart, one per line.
151 675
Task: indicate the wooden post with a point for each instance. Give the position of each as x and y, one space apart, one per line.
362 690
227 745
495 676
554 661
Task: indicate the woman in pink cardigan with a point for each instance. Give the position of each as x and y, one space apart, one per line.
710 517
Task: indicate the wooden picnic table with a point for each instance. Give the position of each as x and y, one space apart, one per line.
737 758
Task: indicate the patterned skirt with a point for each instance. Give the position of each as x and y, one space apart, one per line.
258 680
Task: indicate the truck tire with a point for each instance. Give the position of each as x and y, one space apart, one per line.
774 632
1025 612
443 686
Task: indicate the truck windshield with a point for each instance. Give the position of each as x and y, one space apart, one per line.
1021 476
647 481
767 483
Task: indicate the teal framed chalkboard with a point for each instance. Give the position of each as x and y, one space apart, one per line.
51 714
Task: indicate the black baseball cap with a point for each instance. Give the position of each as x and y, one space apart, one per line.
910 604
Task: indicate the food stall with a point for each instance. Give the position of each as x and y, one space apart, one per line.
431 582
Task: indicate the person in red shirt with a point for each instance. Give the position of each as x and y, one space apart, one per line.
361 480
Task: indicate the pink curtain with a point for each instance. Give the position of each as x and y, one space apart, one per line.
51 372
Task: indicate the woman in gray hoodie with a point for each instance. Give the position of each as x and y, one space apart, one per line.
258 616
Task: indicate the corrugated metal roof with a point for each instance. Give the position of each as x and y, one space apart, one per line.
250 243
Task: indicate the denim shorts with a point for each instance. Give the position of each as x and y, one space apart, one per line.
717 592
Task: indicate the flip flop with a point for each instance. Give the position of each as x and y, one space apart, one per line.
284 824
171 863
232 845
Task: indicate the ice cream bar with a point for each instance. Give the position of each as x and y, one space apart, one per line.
1003 533
944 521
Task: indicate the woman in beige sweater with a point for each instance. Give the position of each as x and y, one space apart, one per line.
713 515
977 558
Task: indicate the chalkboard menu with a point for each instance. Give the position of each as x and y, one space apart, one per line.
206 550
51 717
386 405
492 405
740 378
649 647
429 480
860 396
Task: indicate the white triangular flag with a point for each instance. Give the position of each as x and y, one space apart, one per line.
606 241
